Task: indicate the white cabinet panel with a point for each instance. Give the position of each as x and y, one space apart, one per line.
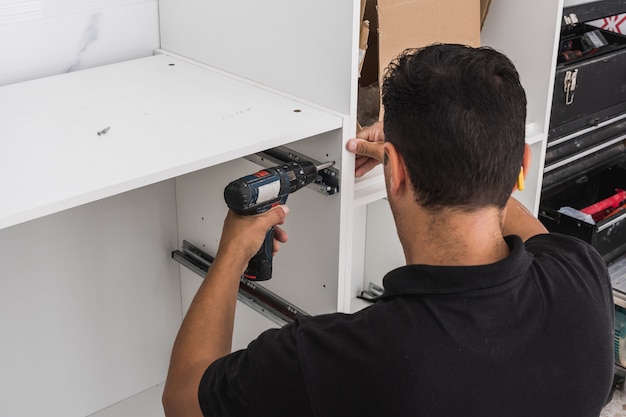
89 304
166 117
304 48
528 33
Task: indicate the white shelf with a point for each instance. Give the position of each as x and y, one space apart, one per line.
357 304
167 117
534 134
370 187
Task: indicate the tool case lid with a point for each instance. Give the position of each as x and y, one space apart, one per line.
591 11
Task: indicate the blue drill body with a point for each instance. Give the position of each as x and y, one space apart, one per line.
257 193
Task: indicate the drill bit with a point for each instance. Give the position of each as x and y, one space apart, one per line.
324 165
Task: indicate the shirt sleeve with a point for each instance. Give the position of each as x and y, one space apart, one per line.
263 380
581 256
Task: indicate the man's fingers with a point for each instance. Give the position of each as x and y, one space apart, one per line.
366 148
364 168
280 235
361 160
372 133
278 214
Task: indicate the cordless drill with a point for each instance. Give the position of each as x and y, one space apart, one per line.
259 192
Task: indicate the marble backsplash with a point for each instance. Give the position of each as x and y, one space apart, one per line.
39 38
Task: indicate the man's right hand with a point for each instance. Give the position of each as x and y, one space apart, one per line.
368 146
242 236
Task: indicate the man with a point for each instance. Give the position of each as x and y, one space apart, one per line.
492 316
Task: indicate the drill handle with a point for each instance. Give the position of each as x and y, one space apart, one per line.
260 266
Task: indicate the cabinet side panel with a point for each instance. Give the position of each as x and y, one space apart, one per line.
383 251
303 48
248 323
533 51
90 304
528 32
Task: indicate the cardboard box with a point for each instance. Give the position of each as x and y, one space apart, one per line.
395 25
409 24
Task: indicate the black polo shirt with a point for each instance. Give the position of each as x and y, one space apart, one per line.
530 335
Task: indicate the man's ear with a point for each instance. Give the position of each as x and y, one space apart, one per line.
395 169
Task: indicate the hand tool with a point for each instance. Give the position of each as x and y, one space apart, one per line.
259 192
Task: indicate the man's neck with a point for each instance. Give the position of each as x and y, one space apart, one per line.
454 238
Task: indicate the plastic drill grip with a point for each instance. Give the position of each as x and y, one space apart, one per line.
260 266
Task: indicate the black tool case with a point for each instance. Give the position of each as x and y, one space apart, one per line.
590 83
586 152
608 236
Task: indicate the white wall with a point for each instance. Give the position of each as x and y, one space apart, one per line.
39 38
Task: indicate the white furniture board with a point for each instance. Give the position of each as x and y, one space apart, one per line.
381 256
90 304
167 117
248 322
148 403
370 187
307 49
528 32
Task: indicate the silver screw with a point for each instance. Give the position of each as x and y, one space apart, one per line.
104 131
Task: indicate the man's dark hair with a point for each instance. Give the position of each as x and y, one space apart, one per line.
457 115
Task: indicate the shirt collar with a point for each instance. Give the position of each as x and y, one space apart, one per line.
427 279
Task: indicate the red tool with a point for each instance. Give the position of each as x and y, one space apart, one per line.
612 202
